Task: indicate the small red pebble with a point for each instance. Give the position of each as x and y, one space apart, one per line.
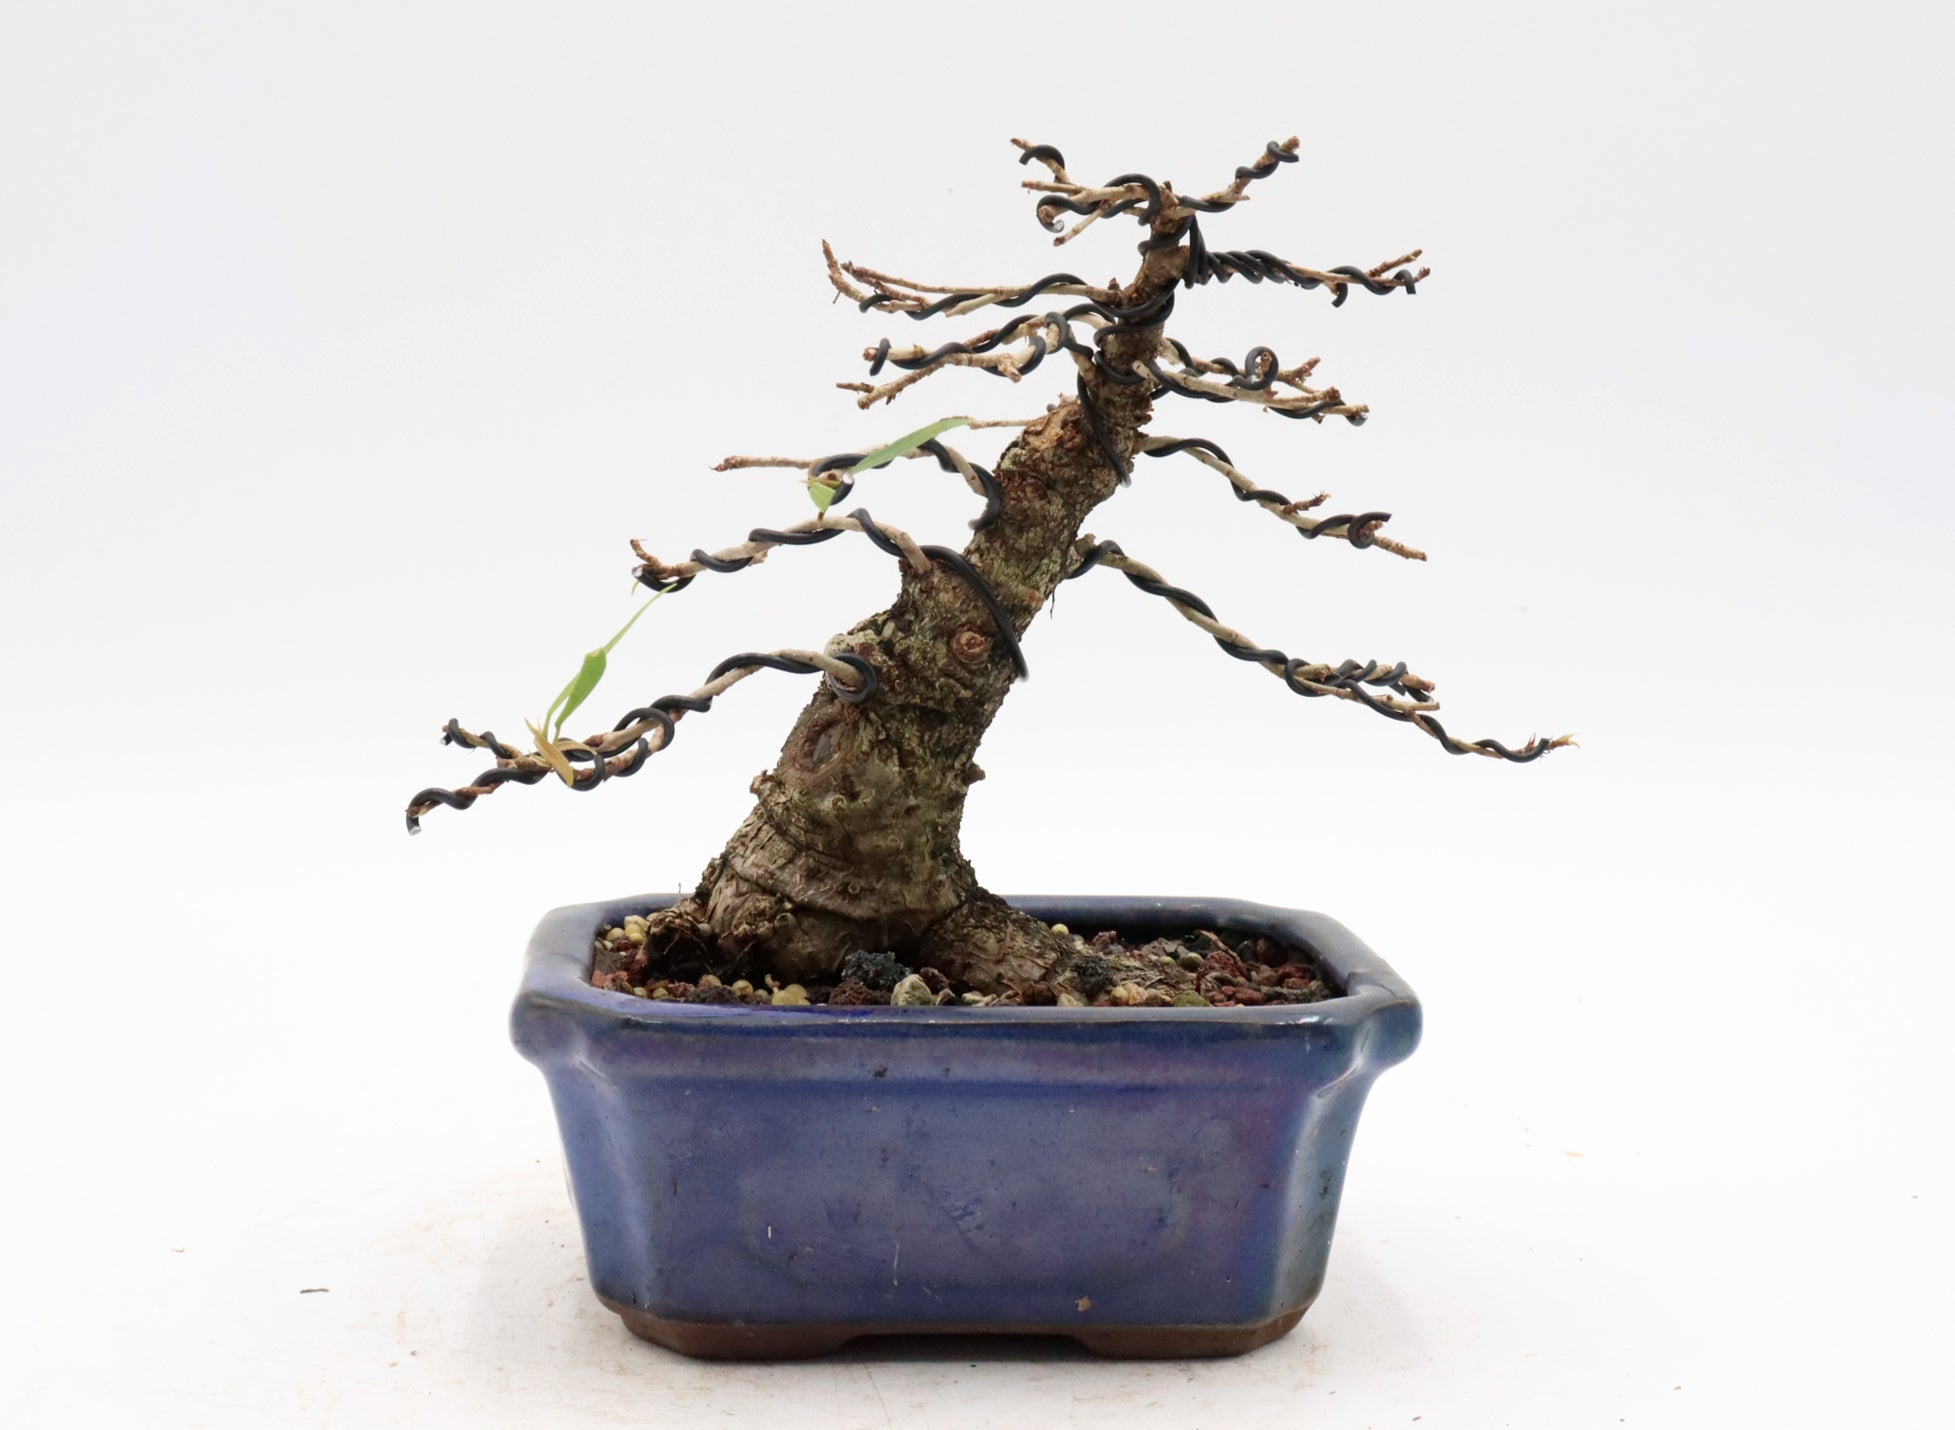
852 993
1224 963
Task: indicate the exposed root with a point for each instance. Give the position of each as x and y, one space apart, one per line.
993 947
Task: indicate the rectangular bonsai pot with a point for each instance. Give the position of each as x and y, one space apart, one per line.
776 1181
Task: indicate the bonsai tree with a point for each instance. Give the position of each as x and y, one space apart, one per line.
852 843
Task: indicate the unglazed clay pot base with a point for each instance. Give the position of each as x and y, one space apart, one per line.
707 1341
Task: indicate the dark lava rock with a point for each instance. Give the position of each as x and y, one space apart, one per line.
872 970
1093 974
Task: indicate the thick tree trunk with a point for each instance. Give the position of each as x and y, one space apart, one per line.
853 839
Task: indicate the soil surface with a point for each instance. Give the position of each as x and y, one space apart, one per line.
652 959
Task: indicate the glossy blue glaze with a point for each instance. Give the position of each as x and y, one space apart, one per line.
1142 1167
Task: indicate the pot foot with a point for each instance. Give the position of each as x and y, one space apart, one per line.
703 1340
1184 1342
708 1340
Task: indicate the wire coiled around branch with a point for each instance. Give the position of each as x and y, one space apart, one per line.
1154 201
666 578
1260 366
1102 438
1347 681
1180 386
1359 528
1018 299
1350 673
962 568
634 732
1273 155
1256 265
998 337
946 458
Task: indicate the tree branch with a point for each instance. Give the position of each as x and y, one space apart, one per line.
639 735
983 353
1260 368
1328 402
672 576
902 295
1346 681
1274 155
1361 529
979 479
1256 265
1172 217
920 560
1106 200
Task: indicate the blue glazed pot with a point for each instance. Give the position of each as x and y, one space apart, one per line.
775 1181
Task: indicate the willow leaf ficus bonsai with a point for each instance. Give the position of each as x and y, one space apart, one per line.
853 838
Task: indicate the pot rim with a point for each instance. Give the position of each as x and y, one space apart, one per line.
560 956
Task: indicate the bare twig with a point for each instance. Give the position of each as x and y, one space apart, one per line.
1260 369
670 574
1046 155
1347 681
1274 155
1328 402
930 300
922 362
1319 679
972 474
642 733
1360 530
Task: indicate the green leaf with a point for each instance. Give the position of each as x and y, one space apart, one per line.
630 623
903 446
822 489
587 677
577 692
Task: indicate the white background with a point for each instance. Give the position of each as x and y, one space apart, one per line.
342 347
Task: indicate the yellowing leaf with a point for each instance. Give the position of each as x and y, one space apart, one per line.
553 754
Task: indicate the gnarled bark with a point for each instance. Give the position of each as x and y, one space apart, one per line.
853 839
